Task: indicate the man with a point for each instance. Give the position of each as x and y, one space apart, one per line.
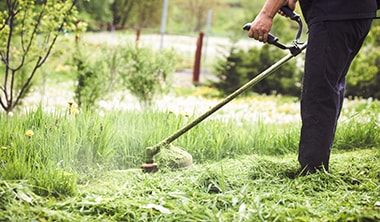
337 29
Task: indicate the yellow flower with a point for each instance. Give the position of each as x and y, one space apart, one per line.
73 108
4 148
29 133
74 111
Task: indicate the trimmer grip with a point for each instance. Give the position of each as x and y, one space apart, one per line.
287 11
247 26
271 38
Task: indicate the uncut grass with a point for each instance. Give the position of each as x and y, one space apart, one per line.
118 140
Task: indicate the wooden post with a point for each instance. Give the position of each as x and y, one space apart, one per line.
197 62
138 32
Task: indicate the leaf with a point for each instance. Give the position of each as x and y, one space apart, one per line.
160 208
242 211
24 197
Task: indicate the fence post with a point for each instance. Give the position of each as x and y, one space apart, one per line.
197 62
138 32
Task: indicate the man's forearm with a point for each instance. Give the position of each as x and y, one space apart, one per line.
271 7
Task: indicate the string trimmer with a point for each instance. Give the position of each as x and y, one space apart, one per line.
175 157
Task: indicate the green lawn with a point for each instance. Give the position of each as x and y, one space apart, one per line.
86 167
247 188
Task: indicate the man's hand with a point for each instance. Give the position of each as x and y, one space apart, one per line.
262 24
260 28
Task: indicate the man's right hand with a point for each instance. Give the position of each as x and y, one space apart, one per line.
260 27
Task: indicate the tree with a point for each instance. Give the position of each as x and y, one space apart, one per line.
194 12
28 32
97 12
148 12
142 13
3 5
122 11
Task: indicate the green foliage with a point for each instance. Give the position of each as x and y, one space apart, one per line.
194 12
243 169
94 12
22 158
147 72
147 12
229 72
141 70
361 132
92 80
120 13
28 32
183 16
240 66
364 75
55 183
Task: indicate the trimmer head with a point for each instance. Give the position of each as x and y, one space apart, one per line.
167 156
149 167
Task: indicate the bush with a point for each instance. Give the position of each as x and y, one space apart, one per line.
363 79
141 70
147 72
240 66
91 80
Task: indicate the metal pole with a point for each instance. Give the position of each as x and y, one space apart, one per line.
223 102
163 22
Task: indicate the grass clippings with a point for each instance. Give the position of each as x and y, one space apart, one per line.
248 188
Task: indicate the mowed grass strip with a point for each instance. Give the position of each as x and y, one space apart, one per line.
247 188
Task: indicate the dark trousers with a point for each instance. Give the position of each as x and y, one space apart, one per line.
332 45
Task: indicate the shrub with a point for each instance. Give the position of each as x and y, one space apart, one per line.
91 80
363 78
142 71
147 72
229 73
240 66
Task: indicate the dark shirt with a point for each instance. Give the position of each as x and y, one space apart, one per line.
324 10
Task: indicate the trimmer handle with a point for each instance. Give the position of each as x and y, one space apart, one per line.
273 39
290 13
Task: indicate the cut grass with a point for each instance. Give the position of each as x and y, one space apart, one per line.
248 188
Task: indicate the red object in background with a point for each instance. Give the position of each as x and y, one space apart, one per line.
197 62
